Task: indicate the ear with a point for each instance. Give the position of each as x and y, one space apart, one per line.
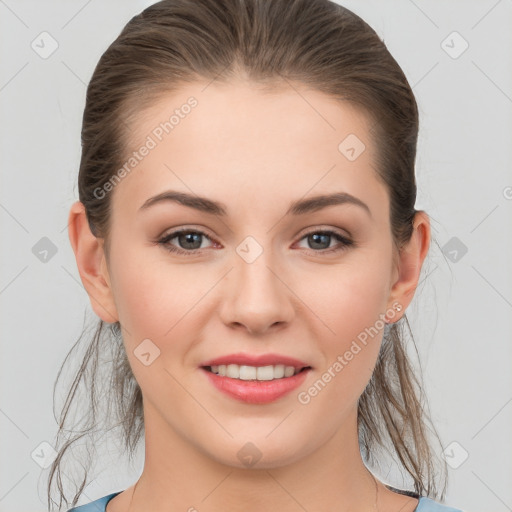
91 262
410 261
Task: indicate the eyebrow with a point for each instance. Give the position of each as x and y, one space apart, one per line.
299 207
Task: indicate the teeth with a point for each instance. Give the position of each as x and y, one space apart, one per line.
244 372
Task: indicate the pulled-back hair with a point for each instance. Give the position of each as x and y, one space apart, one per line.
313 42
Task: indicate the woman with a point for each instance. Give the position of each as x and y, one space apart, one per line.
246 225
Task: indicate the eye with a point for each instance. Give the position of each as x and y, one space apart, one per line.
322 240
189 239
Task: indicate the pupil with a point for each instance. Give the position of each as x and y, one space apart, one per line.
317 239
188 237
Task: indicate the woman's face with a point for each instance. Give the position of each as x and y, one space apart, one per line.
261 272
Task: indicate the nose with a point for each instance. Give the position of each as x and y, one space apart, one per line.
256 296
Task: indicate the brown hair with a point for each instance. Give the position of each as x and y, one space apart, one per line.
313 42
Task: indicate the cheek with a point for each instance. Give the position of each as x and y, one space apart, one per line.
157 302
349 299
156 309
349 304
154 298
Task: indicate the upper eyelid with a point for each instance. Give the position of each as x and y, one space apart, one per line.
176 232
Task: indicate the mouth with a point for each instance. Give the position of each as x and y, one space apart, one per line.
255 373
255 383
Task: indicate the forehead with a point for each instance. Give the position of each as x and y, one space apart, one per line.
289 111
275 144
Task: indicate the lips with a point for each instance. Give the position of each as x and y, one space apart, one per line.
256 360
256 391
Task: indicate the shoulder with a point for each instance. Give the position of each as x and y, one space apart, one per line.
424 505
428 505
98 505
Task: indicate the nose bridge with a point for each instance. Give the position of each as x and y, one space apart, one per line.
257 297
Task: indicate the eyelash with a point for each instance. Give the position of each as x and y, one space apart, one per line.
164 241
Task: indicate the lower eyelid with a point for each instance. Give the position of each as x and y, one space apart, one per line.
164 240
343 241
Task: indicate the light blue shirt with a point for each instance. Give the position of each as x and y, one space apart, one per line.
424 505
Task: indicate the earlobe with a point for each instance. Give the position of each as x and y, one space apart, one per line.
410 261
91 263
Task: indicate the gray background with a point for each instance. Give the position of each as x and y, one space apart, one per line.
465 184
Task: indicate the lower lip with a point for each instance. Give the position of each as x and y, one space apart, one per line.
256 391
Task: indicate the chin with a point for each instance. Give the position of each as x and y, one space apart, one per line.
259 452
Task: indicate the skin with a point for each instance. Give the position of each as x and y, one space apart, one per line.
255 151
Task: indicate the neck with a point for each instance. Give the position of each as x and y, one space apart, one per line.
178 476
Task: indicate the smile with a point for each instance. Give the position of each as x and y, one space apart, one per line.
256 385
261 373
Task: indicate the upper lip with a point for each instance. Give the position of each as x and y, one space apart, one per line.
256 360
